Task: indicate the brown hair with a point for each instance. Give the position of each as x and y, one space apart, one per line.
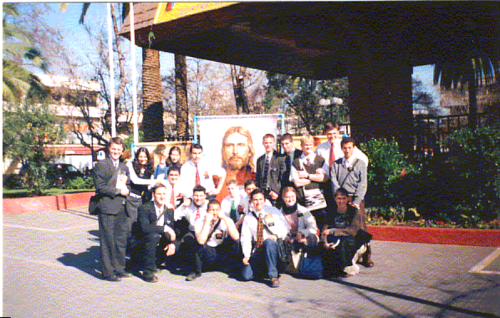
242 131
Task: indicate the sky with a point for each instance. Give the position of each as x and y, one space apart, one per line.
96 17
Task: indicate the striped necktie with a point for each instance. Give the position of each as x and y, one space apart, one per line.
260 232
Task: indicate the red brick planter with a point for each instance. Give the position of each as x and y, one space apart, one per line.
46 203
470 237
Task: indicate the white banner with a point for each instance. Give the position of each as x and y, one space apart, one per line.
235 143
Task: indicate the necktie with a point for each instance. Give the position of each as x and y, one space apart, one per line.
308 161
197 179
260 232
332 156
197 214
172 197
289 162
266 172
232 214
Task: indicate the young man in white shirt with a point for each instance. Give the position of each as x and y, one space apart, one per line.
263 226
309 173
232 206
218 239
196 210
197 172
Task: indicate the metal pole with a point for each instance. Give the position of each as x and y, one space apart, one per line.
111 74
134 75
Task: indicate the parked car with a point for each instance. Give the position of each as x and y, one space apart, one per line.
61 173
57 174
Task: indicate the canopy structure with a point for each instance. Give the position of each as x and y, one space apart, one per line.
375 44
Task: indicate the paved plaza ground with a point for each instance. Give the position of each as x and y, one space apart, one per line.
51 269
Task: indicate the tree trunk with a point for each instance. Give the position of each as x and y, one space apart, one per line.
240 94
181 101
152 120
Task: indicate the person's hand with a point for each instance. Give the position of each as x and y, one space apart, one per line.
124 191
246 261
208 218
273 195
300 237
186 202
170 248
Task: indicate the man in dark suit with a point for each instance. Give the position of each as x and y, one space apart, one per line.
290 155
111 179
158 234
270 169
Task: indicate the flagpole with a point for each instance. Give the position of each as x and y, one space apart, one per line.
134 74
111 74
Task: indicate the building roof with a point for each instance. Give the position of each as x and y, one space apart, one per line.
319 39
68 82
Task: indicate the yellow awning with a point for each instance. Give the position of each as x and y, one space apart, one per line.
168 11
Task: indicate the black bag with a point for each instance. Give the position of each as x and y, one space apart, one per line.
284 251
93 205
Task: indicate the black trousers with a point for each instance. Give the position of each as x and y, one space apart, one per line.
154 248
113 242
208 257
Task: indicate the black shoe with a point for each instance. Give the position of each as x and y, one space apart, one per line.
112 278
123 275
274 282
192 276
150 277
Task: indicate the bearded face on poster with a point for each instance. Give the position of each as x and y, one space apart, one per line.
237 150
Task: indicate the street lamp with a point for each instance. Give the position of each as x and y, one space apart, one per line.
336 101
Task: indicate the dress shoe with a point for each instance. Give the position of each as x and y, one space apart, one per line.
368 263
112 278
123 275
150 277
274 282
192 276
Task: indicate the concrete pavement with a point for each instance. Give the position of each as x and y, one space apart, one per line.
51 269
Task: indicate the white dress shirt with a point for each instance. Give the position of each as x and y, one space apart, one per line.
217 236
161 221
188 176
323 150
189 213
225 205
270 216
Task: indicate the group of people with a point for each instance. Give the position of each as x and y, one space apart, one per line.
308 200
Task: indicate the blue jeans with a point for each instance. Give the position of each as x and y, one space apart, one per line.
263 262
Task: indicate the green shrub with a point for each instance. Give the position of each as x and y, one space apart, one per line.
386 167
80 183
474 158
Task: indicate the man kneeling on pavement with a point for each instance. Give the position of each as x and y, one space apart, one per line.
260 231
217 237
156 219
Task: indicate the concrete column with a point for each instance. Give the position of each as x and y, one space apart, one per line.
380 101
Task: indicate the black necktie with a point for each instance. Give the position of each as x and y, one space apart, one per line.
289 160
266 172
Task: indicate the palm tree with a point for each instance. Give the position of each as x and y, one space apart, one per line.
471 73
17 80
